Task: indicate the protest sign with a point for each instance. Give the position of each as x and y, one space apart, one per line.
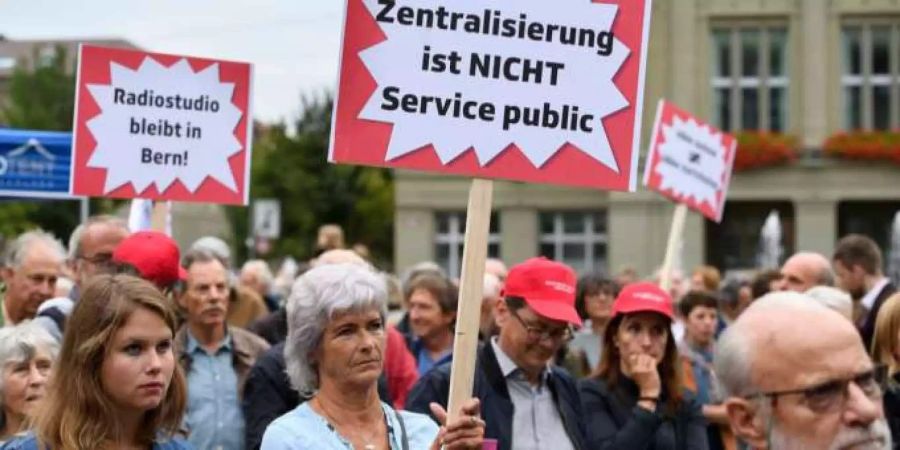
529 90
690 161
162 127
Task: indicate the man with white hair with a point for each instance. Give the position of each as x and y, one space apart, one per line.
497 268
791 387
833 298
246 306
256 275
91 247
32 263
489 297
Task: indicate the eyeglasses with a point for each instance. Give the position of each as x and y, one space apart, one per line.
831 396
99 259
538 334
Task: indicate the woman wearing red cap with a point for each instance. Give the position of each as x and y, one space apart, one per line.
635 401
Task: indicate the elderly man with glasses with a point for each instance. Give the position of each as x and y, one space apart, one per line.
526 403
797 377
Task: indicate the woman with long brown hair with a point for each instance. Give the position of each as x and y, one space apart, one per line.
635 400
116 384
886 352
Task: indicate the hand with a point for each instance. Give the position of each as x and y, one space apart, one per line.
464 433
641 368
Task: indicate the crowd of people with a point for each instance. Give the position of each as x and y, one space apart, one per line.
122 340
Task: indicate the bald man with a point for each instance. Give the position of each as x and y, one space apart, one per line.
804 270
791 389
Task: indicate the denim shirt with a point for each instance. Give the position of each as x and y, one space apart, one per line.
214 417
424 363
29 442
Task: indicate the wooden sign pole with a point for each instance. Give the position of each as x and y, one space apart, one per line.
675 236
159 216
471 286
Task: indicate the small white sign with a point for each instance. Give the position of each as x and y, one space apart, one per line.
267 218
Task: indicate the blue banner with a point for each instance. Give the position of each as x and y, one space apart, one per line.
35 163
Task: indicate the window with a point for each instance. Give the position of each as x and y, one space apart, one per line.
750 78
871 76
875 219
7 63
576 238
450 236
735 243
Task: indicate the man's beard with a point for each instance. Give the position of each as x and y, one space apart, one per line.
877 430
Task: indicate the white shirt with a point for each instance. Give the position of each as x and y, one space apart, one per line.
868 300
536 424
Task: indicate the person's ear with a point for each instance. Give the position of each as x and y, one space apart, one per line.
746 421
181 297
501 313
7 274
859 271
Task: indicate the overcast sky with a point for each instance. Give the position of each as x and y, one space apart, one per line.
293 44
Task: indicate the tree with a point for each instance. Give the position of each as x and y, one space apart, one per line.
41 96
295 170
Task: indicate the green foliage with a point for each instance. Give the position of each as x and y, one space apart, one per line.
295 170
40 97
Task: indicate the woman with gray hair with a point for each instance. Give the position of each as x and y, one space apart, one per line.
334 352
27 352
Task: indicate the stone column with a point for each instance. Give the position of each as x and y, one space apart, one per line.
683 48
810 63
638 229
816 226
518 234
413 237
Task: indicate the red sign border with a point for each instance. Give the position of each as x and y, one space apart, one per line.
355 85
94 68
665 113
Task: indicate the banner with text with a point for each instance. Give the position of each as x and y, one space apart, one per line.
528 90
162 127
690 161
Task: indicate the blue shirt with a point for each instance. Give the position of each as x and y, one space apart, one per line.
214 417
423 357
29 442
304 429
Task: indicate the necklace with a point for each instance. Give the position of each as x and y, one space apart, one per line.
333 424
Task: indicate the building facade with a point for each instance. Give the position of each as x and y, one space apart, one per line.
802 68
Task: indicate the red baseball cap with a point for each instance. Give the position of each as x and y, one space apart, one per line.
548 287
154 255
640 297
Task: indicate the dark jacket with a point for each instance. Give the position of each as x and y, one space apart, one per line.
247 347
892 408
867 327
615 422
496 404
268 394
272 327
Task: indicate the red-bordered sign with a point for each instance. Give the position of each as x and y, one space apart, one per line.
528 90
163 127
690 161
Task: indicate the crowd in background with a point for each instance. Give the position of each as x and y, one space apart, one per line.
124 340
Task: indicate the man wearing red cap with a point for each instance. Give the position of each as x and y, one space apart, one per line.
526 403
154 257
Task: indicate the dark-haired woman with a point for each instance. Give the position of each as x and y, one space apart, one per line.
635 401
